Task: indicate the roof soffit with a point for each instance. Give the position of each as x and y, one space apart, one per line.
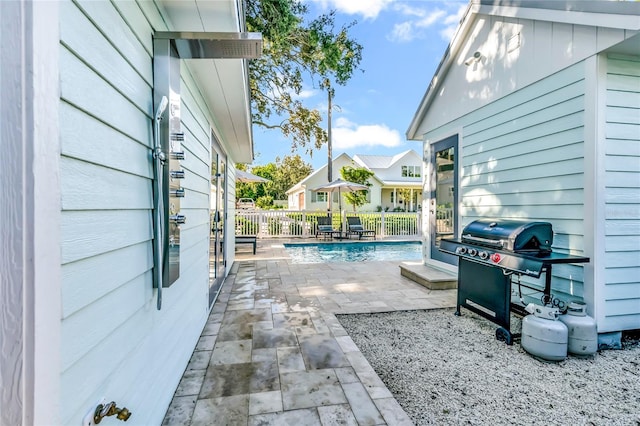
223 83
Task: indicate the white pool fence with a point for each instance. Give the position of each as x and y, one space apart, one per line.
293 223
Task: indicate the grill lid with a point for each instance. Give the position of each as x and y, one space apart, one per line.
512 235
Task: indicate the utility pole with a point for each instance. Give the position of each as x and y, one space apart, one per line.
329 152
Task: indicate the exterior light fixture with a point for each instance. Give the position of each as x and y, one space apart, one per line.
477 56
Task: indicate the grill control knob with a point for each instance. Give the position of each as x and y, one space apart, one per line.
495 257
473 252
483 255
461 250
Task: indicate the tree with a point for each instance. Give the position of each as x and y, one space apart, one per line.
282 175
404 196
291 170
292 51
356 175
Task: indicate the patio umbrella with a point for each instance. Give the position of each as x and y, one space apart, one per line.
338 186
246 177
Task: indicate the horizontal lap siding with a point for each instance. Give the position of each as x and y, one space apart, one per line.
115 344
522 157
622 198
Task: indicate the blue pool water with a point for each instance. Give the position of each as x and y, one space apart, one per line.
354 252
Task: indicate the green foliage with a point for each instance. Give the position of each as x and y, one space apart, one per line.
404 194
291 170
403 224
356 175
274 226
245 226
295 49
295 228
265 202
282 175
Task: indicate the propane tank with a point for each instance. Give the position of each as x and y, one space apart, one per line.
543 335
583 333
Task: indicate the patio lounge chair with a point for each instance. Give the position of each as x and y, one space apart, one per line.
355 228
324 227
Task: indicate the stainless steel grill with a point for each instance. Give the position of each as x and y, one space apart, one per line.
491 252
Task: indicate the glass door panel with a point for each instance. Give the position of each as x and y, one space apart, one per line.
217 214
443 211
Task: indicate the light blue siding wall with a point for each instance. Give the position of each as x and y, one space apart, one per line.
622 193
522 157
115 344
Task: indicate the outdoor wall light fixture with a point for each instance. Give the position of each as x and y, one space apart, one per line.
477 56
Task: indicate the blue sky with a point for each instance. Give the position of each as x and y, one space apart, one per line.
403 43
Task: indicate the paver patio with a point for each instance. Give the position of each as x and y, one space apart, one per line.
273 353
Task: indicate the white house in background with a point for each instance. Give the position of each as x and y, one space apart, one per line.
78 308
400 177
534 112
393 176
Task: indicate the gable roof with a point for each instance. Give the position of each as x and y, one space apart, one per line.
607 14
381 161
304 181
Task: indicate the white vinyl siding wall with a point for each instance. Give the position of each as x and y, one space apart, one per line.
522 157
622 203
115 344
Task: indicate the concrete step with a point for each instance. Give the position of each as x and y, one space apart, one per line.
431 278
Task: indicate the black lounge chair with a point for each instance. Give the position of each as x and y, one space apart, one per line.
324 227
355 228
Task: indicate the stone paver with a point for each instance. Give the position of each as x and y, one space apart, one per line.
273 352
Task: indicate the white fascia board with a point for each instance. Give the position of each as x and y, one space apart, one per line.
417 184
568 16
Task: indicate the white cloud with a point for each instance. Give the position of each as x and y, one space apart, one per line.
430 18
402 32
305 94
451 22
347 135
369 9
418 19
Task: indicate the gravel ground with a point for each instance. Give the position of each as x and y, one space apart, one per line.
449 370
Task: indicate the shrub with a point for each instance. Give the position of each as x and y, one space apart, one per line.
245 226
265 202
274 226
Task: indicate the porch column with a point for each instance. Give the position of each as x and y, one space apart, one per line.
411 198
395 197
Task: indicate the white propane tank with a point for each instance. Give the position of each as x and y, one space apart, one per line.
543 335
583 333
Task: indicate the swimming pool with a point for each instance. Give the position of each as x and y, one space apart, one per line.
354 252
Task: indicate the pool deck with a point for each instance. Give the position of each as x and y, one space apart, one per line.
273 352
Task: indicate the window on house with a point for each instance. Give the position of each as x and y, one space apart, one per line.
321 197
411 171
